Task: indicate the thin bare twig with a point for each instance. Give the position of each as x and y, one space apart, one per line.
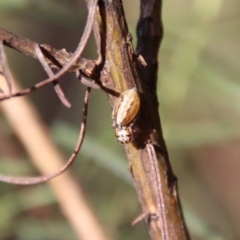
5 68
88 83
75 56
40 179
54 57
141 217
26 122
50 73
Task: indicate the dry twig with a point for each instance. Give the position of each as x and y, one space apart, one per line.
41 179
46 157
52 78
154 180
67 66
50 73
5 69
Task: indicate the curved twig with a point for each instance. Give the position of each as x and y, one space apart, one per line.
41 179
75 56
50 73
5 69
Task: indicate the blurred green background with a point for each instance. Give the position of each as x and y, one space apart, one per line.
199 93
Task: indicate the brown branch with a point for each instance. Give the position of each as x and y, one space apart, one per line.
52 78
149 164
149 36
55 58
81 45
150 33
6 72
41 179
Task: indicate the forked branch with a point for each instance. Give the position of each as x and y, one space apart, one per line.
52 79
41 179
68 65
153 178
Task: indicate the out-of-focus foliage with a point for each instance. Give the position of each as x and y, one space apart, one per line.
199 94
